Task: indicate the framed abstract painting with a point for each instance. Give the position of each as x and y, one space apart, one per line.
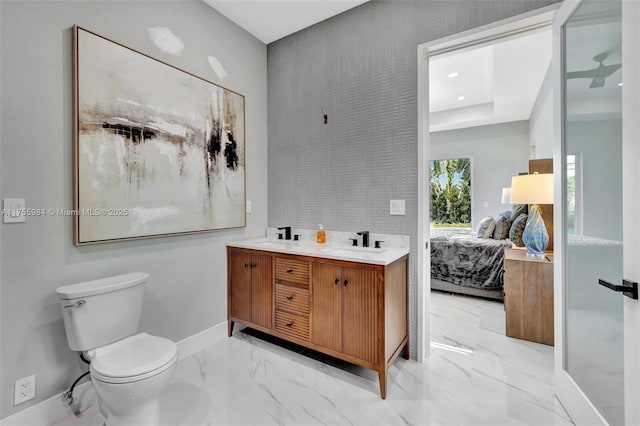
158 151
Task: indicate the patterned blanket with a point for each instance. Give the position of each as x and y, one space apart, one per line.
460 257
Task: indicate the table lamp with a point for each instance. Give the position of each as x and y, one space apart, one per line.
506 195
533 189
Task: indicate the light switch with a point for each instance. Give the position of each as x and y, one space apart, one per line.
13 210
485 204
396 208
248 206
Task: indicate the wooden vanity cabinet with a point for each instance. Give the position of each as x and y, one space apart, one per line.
353 311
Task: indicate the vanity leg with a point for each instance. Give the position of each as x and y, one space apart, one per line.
382 377
230 328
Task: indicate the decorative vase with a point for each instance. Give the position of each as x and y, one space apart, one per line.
535 236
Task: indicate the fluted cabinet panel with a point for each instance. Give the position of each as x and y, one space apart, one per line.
293 324
395 306
292 299
240 286
359 313
326 306
262 290
292 271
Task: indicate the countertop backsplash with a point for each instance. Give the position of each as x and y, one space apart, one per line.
344 238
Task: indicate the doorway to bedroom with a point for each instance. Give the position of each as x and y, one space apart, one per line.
485 111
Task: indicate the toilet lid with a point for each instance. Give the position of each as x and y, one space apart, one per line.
134 356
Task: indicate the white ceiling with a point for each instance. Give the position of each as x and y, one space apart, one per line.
500 82
584 41
270 20
474 79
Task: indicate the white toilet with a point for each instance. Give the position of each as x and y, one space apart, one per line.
128 370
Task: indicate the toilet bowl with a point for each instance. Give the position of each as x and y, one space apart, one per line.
129 370
128 376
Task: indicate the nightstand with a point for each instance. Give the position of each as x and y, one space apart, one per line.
528 299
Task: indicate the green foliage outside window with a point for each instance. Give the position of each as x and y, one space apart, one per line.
450 187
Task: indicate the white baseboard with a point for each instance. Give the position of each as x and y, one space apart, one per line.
53 410
192 344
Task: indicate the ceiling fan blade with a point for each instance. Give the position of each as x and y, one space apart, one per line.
580 74
598 74
607 70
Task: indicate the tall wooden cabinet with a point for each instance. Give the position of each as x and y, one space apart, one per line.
350 310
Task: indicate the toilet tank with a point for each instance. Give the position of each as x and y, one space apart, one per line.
102 311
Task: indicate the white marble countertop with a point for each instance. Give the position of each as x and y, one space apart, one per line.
381 256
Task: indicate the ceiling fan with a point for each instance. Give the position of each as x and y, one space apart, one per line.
598 74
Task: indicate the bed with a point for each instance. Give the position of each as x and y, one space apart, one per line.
463 263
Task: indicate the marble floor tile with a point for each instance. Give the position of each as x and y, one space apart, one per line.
474 376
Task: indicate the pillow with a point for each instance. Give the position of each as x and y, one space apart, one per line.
517 210
486 227
517 228
501 230
506 213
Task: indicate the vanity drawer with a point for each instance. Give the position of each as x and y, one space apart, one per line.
292 299
290 270
293 324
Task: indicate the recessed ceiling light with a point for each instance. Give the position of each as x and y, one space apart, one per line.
619 84
461 98
452 74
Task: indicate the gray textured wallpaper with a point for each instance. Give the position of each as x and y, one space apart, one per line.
360 69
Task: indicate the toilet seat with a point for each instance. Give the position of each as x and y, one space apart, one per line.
132 359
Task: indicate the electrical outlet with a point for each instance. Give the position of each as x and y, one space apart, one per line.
24 389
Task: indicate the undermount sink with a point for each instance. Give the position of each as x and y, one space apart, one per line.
359 250
274 243
279 243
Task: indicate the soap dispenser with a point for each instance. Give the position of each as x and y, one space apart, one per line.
321 236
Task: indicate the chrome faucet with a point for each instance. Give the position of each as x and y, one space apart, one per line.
365 238
287 232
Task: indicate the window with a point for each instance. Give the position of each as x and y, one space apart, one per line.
574 194
450 187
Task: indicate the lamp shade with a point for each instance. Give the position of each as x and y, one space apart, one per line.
506 195
532 189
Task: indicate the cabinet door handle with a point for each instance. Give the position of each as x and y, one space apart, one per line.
289 271
346 282
246 265
289 297
337 281
289 324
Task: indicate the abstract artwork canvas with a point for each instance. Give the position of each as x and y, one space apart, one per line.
158 150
